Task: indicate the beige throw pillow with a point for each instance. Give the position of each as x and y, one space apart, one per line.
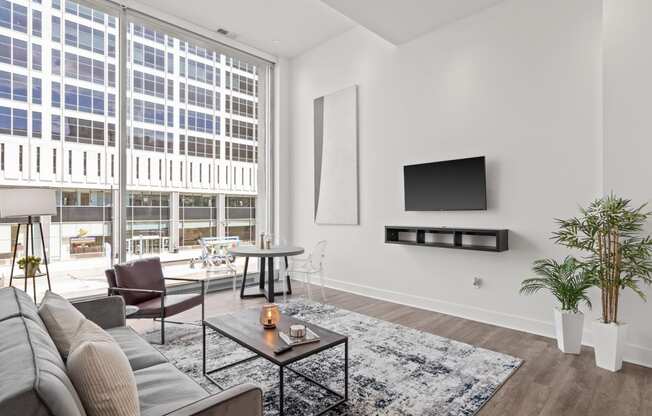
101 373
61 319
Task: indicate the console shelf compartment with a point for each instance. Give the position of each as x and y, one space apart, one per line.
483 239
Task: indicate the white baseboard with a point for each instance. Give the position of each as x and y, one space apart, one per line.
635 354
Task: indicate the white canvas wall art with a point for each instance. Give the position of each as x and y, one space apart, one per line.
336 157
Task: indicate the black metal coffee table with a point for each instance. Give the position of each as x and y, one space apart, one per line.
244 328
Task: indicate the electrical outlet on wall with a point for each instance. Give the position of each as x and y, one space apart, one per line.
477 282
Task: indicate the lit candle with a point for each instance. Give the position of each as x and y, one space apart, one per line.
269 315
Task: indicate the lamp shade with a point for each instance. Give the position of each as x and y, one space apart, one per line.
23 202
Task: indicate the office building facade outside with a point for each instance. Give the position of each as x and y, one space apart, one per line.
192 131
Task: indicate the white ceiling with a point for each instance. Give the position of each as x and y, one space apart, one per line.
290 27
400 21
298 25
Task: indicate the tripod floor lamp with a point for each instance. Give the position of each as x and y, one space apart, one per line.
24 205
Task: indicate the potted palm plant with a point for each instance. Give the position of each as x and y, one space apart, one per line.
618 257
568 282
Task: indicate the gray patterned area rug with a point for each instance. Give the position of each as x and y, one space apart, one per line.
393 370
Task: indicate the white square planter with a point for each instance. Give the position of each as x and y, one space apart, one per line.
609 342
568 328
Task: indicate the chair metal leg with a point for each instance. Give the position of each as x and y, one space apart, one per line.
163 319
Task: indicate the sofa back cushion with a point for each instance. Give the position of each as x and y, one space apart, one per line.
61 319
140 274
34 379
15 302
101 373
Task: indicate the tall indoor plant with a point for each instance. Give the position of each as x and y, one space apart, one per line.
568 282
609 231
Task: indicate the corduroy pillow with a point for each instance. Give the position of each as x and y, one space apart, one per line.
61 319
101 373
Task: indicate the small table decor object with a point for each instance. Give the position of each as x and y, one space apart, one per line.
269 316
297 331
308 338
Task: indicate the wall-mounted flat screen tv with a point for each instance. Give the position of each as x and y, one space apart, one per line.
450 185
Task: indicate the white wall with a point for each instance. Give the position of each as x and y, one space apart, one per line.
520 83
628 124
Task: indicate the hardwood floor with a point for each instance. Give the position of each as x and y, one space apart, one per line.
549 383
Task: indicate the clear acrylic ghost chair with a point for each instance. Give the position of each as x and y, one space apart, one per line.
312 264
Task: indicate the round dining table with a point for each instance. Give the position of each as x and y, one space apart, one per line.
266 257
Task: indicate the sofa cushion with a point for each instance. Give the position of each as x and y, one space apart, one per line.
15 302
138 351
101 373
34 380
163 388
61 319
140 274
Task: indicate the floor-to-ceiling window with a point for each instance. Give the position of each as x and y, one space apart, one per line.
195 127
193 133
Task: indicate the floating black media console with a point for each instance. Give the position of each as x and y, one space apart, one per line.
483 239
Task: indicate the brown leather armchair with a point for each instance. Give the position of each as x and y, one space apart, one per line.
141 283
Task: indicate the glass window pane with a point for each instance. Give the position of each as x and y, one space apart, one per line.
37 63
5 14
20 53
20 18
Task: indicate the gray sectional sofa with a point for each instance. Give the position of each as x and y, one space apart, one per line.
33 379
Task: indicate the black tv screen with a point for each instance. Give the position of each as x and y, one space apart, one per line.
449 185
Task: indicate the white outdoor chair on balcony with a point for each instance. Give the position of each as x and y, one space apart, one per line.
312 264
